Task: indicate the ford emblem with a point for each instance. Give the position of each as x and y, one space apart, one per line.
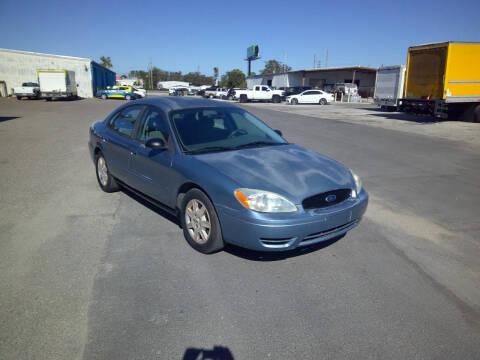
330 198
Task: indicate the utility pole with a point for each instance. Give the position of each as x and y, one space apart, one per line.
151 75
326 59
314 60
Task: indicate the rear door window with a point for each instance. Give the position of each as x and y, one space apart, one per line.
124 122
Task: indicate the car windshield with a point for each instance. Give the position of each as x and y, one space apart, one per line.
221 129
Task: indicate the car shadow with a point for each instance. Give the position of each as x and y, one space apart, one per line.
395 115
217 353
7 118
237 250
153 207
278 255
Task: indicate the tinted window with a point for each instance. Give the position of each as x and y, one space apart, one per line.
309 93
153 126
264 88
221 128
124 122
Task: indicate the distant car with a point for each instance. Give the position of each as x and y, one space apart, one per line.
192 92
225 174
118 92
310 97
140 92
294 90
177 91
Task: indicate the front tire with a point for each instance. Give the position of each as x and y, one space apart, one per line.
105 179
19 98
211 96
104 96
128 97
200 223
294 101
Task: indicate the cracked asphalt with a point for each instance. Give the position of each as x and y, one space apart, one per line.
90 275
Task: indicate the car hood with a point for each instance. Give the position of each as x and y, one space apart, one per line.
289 170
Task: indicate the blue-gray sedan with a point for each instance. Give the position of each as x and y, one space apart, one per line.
226 175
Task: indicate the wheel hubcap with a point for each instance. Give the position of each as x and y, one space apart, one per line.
102 171
197 221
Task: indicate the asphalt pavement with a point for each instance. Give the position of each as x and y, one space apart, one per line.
90 275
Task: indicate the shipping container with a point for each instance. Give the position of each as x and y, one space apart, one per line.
389 86
443 80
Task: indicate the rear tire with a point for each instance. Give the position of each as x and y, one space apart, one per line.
200 224
323 101
476 114
105 179
211 96
19 98
104 96
276 99
243 98
128 97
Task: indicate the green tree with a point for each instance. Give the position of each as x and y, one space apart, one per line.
235 78
106 62
274 67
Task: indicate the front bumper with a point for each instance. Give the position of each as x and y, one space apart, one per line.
290 231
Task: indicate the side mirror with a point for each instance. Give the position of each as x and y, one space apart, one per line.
278 132
156 143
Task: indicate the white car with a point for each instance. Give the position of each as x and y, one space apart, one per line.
140 92
310 97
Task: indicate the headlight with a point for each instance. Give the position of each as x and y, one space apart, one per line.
264 201
358 184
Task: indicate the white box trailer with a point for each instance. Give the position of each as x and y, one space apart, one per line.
389 86
57 84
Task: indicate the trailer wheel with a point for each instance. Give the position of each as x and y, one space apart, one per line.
476 114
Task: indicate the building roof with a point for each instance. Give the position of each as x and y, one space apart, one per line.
43 54
54 56
345 68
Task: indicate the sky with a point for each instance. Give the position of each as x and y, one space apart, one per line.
196 35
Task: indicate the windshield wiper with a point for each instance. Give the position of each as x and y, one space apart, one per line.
208 149
258 144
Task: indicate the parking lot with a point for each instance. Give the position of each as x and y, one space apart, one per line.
90 275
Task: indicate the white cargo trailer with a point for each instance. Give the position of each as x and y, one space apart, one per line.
57 84
389 86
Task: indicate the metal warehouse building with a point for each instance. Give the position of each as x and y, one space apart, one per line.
17 67
324 78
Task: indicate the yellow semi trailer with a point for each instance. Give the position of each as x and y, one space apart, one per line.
443 80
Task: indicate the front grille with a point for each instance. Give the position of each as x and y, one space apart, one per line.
320 200
328 232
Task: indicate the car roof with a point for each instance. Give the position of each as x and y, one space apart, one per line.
172 103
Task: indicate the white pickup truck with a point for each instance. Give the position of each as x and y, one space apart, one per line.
259 93
28 89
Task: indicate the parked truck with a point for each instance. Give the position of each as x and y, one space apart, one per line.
57 84
389 86
443 80
28 89
260 93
